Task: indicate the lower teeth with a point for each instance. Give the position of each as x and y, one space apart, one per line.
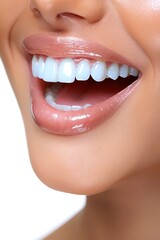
50 97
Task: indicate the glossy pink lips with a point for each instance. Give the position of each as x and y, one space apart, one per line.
71 122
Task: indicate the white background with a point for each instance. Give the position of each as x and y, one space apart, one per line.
28 209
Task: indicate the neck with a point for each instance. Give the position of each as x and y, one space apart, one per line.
130 209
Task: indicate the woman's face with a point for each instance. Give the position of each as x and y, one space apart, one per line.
85 149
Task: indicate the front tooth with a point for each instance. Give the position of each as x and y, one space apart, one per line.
133 71
113 71
98 71
67 71
34 66
124 71
83 70
40 68
50 70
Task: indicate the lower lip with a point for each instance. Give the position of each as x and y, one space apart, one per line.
71 123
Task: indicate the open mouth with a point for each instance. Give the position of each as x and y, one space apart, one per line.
73 94
78 84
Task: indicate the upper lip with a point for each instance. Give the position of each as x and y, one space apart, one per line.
72 47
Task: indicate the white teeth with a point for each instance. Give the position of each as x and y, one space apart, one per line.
113 71
50 70
98 71
40 67
67 70
133 71
76 108
87 105
124 71
83 70
34 66
50 96
63 107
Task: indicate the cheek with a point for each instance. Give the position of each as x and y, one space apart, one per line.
69 165
10 10
141 20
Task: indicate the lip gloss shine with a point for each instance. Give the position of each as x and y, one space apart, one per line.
71 122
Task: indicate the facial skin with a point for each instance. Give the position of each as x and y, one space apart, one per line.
126 143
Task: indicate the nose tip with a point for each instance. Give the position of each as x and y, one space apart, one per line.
54 10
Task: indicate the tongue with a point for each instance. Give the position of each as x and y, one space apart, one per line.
89 92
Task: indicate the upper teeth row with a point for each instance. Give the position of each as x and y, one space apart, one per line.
67 70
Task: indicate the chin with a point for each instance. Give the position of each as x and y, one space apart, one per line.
74 165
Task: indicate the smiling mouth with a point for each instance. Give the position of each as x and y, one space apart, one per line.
74 89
